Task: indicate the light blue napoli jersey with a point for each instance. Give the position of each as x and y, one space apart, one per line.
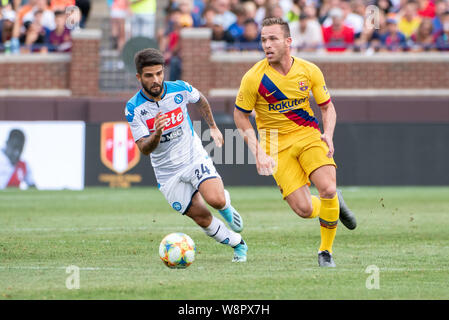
179 144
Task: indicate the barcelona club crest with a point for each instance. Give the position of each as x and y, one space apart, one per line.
303 86
119 153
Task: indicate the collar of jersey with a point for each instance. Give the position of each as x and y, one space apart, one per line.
151 100
280 74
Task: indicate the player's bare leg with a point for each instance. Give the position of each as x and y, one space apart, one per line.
215 228
301 202
216 196
199 212
325 180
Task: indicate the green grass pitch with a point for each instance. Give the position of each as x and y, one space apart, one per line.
113 236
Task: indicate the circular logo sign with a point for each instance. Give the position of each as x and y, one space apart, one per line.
178 98
177 206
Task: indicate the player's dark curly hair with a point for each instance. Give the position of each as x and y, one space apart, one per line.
277 21
148 57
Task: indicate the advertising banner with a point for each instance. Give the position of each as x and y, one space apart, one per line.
113 159
42 154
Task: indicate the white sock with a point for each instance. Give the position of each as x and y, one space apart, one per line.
218 230
228 200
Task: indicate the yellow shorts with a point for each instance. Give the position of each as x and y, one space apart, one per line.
297 162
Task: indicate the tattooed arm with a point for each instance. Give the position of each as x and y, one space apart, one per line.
206 113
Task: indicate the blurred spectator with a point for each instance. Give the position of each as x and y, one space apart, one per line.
426 8
442 38
306 34
11 4
47 15
60 39
25 9
218 33
171 47
325 8
6 28
223 16
352 19
409 22
338 37
250 9
441 7
197 11
236 29
311 12
393 39
286 6
424 38
84 6
250 39
261 10
295 10
185 8
61 5
143 20
385 5
191 11
274 11
34 38
370 38
337 25
359 7
208 17
119 14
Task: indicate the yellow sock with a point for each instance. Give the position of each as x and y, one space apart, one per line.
329 213
316 205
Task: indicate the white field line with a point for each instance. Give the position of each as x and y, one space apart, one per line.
147 269
8 230
63 268
94 229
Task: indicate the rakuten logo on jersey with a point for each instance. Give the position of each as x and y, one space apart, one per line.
174 118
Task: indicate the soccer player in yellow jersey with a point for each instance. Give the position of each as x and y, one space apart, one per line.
292 147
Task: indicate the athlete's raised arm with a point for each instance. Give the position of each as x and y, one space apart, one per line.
204 107
148 144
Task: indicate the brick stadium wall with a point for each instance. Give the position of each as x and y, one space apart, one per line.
211 71
31 71
55 74
219 73
85 65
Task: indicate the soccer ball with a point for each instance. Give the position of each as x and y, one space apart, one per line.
177 250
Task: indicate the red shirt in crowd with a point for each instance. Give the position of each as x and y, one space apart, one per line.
428 11
338 40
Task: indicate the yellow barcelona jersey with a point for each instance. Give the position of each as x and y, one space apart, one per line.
281 102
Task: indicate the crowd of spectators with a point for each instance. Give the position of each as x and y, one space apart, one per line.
316 25
139 15
40 25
